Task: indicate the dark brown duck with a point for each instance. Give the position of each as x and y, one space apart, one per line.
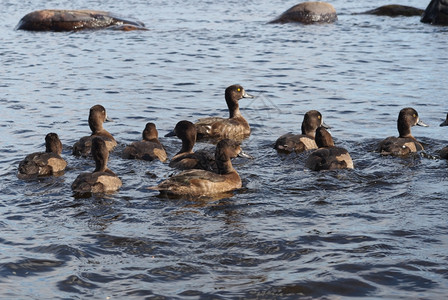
97 116
235 127
45 163
149 148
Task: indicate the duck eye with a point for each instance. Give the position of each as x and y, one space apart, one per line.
238 89
319 117
414 115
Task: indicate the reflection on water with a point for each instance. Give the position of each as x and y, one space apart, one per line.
378 231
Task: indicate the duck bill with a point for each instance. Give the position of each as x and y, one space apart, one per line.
108 119
245 155
246 95
325 126
420 123
170 134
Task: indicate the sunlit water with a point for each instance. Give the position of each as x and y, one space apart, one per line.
379 231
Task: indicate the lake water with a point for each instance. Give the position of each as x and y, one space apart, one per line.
379 231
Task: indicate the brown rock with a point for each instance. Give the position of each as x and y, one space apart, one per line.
309 13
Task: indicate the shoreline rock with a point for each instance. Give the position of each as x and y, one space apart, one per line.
308 13
75 20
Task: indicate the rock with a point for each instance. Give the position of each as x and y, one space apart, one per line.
73 20
308 13
395 10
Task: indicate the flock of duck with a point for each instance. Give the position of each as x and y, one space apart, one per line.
203 173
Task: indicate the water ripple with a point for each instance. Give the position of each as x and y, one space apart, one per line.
378 231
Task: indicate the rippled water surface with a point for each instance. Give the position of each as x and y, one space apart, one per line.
379 231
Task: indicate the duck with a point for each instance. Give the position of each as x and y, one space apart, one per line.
97 116
102 179
45 163
444 151
149 148
328 156
186 159
290 142
235 127
405 143
198 183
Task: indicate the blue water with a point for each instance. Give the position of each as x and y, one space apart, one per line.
379 231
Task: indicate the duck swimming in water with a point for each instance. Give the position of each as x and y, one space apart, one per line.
202 183
97 116
302 142
405 143
45 163
328 156
149 148
235 127
186 158
102 179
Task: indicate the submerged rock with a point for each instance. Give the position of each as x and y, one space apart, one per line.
308 13
394 10
436 13
74 20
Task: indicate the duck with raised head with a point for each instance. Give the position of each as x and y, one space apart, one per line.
328 156
202 183
45 163
149 148
405 143
186 158
302 142
97 116
444 151
235 127
102 179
